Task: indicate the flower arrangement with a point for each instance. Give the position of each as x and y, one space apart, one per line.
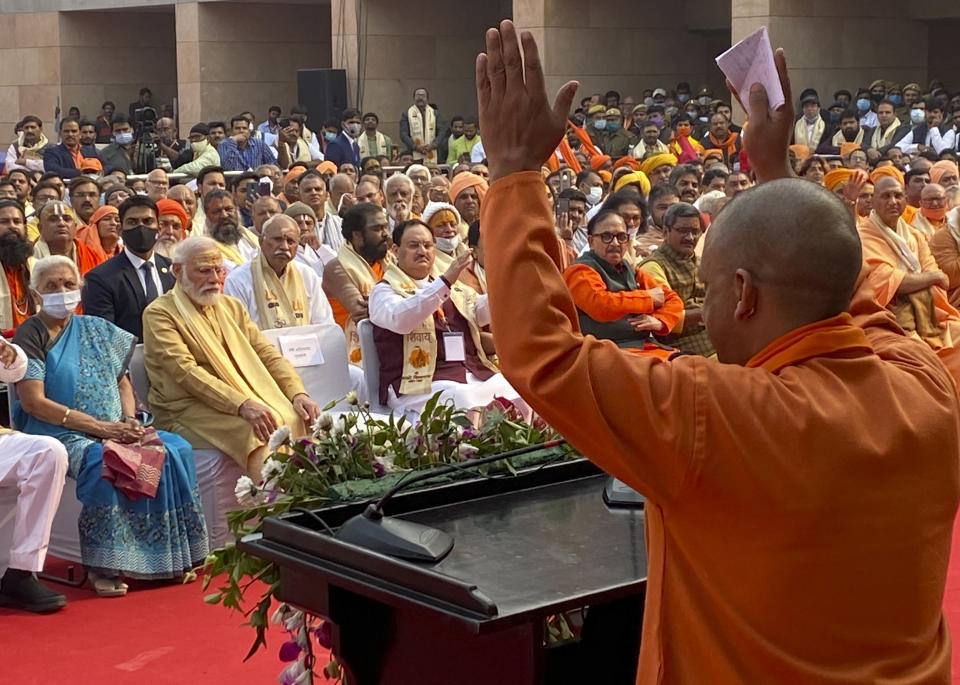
351 456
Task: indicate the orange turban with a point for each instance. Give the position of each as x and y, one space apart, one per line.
294 173
800 151
846 148
465 180
627 161
637 177
654 161
837 176
89 235
605 175
888 170
326 168
102 212
598 161
173 207
940 168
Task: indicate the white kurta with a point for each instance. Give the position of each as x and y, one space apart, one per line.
239 284
402 315
36 465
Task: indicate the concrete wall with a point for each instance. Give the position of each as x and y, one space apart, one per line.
111 55
29 69
942 52
238 56
403 46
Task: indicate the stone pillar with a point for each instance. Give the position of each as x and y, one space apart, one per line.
29 70
401 46
237 56
626 45
831 45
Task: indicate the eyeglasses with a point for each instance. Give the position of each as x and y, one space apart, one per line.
608 237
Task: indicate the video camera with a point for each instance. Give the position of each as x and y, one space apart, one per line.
145 123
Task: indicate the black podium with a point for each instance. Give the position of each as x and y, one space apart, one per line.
526 547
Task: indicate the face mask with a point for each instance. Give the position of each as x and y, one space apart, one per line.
329 137
897 100
671 112
600 124
613 125
59 305
876 97
123 138
139 239
863 104
703 119
250 128
447 245
683 97
596 192
683 130
834 117
632 232
199 146
656 119
648 101
917 116
705 100
354 130
934 214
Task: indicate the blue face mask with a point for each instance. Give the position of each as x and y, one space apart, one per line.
656 119
123 138
863 104
330 137
897 100
613 125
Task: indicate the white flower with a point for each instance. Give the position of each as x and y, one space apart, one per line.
279 437
351 397
280 614
386 461
466 450
246 492
271 469
324 422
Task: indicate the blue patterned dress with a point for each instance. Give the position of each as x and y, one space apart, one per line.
151 538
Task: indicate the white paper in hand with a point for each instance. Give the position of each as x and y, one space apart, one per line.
751 61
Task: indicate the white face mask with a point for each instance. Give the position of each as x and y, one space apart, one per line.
447 245
59 305
596 192
199 146
632 232
124 138
354 130
917 116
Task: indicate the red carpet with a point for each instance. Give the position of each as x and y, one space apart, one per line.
160 636
167 635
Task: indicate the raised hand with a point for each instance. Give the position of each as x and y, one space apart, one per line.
519 127
767 134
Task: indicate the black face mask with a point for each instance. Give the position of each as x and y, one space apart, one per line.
877 97
139 239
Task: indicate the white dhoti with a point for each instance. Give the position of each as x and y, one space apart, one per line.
36 465
472 394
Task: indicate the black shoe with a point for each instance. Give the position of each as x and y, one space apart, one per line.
26 593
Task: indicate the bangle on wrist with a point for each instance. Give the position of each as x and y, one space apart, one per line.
63 421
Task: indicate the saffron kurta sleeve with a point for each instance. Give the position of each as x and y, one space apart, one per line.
880 272
944 249
794 531
670 313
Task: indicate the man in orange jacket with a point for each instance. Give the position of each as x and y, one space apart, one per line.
800 493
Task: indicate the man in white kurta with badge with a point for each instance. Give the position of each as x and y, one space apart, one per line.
36 465
277 291
427 330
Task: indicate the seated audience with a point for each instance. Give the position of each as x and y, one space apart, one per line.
172 224
236 244
102 232
427 330
120 289
444 220
675 264
66 158
16 258
76 390
232 401
277 291
58 236
313 192
36 465
944 246
616 301
360 264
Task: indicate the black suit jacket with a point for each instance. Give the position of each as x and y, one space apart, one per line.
57 158
112 291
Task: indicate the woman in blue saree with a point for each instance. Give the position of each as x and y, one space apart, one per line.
76 390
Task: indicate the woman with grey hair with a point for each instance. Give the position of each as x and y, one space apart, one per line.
76 390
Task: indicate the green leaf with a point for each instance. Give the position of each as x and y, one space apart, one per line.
213 598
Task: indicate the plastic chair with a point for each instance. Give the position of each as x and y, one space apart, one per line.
329 380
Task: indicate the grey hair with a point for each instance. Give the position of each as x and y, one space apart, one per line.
398 178
416 167
679 210
272 220
708 201
188 246
47 264
336 178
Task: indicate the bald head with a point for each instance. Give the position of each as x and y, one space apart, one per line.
889 200
779 256
933 191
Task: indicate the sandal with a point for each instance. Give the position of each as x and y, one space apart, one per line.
108 587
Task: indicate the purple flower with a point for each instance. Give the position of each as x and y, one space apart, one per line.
289 651
312 454
468 434
305 442
324 635
378 469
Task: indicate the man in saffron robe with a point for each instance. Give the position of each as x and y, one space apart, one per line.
766 472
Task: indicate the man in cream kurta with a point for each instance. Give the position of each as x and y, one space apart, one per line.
214 378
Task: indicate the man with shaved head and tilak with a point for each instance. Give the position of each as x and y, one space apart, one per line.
801 491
